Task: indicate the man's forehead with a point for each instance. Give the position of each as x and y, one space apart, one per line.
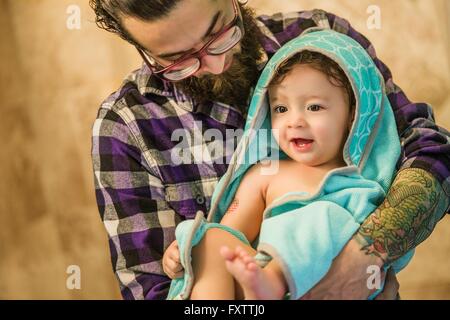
182 29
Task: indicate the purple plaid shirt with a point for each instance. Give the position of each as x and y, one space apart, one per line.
142 195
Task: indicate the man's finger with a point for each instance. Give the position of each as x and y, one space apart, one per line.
392 278
382 280
391 287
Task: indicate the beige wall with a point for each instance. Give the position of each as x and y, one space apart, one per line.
51 82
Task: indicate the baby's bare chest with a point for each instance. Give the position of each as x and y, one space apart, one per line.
290 180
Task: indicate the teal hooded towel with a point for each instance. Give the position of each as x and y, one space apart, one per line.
306 232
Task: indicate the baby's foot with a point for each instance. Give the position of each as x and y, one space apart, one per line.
257 283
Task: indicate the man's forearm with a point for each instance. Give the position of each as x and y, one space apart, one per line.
408 215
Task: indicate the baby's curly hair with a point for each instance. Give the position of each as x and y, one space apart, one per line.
320 62
109 12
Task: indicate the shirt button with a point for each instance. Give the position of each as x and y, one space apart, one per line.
200 199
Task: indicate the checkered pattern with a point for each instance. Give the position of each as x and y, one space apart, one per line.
142 194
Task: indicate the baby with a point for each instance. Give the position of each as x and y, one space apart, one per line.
311 106
312 109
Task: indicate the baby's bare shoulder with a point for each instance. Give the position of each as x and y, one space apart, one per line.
263 169
261 173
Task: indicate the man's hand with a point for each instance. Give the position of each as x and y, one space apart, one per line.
171 261
348 275
391 287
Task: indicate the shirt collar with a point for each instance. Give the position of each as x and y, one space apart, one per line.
147 83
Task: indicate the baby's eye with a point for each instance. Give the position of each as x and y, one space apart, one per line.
314 107
280 109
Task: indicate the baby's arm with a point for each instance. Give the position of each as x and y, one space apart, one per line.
245 212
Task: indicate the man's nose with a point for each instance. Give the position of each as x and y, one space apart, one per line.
212 64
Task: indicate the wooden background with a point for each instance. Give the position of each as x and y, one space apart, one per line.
52 80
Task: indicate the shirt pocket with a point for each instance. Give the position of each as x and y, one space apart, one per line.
189 197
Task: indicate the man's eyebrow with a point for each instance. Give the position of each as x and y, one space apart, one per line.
207 33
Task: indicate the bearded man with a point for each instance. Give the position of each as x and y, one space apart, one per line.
201 60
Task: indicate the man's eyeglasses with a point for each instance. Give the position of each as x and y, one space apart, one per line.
186 66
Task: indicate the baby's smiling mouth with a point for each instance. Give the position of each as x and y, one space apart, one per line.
302 145
300 142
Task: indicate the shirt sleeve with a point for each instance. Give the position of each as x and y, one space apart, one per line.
131 201
425 145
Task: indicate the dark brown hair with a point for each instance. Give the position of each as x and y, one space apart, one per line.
320 62
109 12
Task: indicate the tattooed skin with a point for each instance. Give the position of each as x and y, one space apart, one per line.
408 215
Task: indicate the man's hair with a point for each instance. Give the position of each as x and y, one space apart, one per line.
109 12
320 62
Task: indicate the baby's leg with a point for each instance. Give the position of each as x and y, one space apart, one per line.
212 279
257 283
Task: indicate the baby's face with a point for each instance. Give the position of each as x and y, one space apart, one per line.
310 116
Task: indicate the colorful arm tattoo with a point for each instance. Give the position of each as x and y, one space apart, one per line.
408 215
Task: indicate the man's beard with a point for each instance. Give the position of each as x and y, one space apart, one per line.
234 85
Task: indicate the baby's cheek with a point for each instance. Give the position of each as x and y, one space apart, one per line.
325 132
330 137
276 132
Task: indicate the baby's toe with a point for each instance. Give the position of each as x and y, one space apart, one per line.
247 259
252 266
227 253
